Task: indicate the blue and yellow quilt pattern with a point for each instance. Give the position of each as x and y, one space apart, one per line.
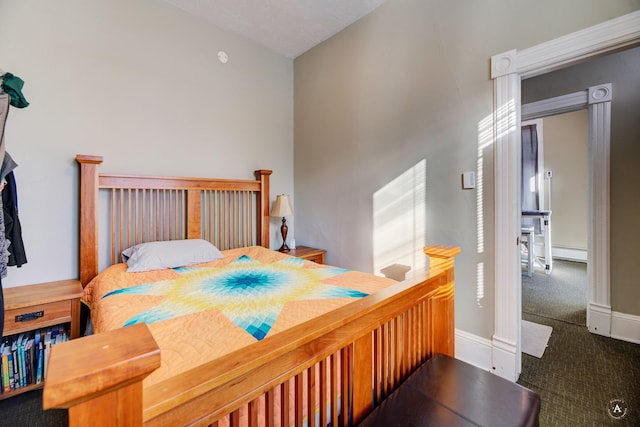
248 292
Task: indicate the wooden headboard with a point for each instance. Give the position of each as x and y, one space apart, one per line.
228 213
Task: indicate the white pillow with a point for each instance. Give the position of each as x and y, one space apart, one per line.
169 254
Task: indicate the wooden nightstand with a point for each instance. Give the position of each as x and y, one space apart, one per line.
32 307
310 254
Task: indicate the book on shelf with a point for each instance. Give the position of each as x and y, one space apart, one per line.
23 357
6 360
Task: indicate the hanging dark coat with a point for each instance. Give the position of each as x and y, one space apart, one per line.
12 228
4 111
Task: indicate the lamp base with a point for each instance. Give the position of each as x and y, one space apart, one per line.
284 248
283 231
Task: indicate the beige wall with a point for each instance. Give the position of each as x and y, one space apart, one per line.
621 70
411 82
139 83
565 155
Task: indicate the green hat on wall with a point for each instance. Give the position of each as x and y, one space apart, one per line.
13 86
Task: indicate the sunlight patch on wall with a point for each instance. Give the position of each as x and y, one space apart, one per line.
480 284
506 119
399 221
485 139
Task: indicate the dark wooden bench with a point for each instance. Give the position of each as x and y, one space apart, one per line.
448 392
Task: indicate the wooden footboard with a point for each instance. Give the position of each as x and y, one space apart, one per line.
336 368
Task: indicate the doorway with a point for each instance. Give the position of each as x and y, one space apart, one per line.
507 70
554 180
597 100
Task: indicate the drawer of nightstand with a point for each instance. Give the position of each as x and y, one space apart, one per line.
316 258
36 316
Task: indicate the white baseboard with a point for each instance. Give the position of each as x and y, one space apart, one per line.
599 319
495 356
504 358
569 254
499 358
625 327
473 349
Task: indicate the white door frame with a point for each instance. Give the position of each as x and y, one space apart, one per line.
507 69
597 99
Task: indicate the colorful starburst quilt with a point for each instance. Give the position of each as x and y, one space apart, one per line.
206 311
250 293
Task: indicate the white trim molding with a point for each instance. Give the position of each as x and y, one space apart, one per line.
597 99
615 34
557 105
599 319
598 242
507 70
569 254
504 64
473 349
506 357
625 327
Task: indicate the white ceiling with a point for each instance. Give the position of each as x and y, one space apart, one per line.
290 27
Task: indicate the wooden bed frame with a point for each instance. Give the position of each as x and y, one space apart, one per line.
346 360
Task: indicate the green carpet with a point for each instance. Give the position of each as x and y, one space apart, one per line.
580 373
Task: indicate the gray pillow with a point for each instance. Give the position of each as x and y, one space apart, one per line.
169 254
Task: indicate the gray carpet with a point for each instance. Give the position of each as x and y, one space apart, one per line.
25 410
580 373
561 295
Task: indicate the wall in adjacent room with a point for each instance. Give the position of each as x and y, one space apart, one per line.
565 155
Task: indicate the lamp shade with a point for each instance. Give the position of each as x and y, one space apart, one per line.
282 206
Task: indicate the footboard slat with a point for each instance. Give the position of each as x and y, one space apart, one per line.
334 390
269 405
234 418
253 413
406 341
396 361
345 365
376 365
311 396
386 355
323 392
284 403
299 414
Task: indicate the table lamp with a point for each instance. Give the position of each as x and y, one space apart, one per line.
282 208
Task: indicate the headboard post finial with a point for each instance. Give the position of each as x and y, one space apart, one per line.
88 216
263 207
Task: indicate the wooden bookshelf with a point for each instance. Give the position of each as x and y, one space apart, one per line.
32 307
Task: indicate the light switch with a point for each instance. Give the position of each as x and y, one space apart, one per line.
468 180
